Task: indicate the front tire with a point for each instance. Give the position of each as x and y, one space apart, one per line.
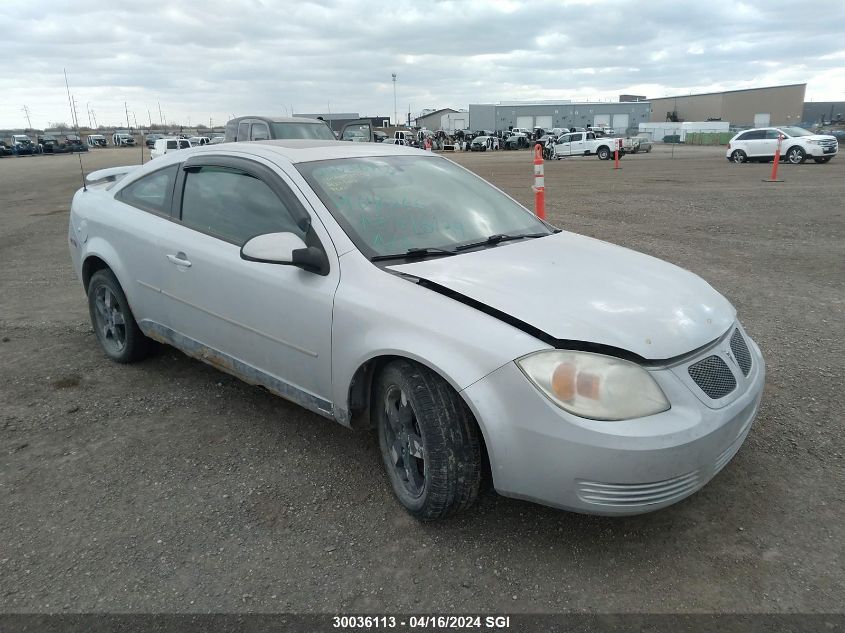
796 155
112 320
429 441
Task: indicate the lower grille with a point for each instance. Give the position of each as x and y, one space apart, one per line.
713 376
740 349
628 495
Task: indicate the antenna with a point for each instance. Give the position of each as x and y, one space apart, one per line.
79 136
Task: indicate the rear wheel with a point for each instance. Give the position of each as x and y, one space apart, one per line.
738 156
115 327
603 153
823 159
429 441
795 155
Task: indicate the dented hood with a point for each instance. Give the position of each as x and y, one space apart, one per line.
577 288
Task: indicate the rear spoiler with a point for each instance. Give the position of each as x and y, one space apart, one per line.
112 174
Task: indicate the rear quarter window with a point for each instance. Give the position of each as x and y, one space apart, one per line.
151 192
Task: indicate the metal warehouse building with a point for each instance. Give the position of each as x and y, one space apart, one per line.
758 107
824 112
502 116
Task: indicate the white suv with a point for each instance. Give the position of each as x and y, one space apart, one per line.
798 144
170 144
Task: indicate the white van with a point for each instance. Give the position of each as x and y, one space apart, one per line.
169 144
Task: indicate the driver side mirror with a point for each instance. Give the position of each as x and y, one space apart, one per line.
286 249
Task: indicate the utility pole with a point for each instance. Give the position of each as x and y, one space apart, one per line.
395 109
161 116
94 116
25 110
88 110
126 109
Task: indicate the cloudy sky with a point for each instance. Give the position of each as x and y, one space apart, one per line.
208 60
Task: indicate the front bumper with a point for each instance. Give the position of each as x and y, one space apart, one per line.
541 453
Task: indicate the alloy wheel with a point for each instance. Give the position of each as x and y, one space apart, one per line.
404 441
111 322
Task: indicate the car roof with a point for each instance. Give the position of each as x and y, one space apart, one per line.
276 119
303 151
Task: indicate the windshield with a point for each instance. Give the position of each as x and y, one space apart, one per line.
795 131
313 131
389 204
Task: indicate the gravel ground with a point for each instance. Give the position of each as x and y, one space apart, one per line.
170 487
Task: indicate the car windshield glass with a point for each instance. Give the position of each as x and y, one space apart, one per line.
795 131
389 204
314 131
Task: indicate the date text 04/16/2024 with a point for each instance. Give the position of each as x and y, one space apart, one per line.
373 622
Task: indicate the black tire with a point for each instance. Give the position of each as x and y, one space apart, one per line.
823 159
603 153
795 155
112 320
430 443
738 157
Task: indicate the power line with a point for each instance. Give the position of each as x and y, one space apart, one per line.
25 110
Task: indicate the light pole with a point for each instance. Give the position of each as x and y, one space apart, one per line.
395 109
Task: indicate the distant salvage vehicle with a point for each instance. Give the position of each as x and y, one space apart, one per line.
639 143
479 144
48 144
150 139
22 145
73 143
169 144
798 144
196 141
217 139
96 140
586 144
517 140
122 138
262 128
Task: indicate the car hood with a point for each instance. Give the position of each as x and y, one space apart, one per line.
576 288
819 137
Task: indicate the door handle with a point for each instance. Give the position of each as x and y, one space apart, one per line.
180 259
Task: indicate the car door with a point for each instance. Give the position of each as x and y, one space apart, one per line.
143 207
577 146
563 144
267 323
769 143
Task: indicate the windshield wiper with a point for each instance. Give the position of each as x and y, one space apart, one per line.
414 252
497 238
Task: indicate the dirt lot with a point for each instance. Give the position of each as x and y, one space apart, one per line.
168 486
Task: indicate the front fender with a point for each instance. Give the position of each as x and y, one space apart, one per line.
377 313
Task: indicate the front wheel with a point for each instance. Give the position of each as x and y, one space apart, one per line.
823 159
429 441
795 155
603 153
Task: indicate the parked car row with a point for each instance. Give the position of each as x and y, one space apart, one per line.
23 145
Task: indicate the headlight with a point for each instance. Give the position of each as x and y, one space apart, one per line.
814 142
594 386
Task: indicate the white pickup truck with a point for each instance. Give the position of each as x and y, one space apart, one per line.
586 144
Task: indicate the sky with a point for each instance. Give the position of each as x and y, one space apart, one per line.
203 62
